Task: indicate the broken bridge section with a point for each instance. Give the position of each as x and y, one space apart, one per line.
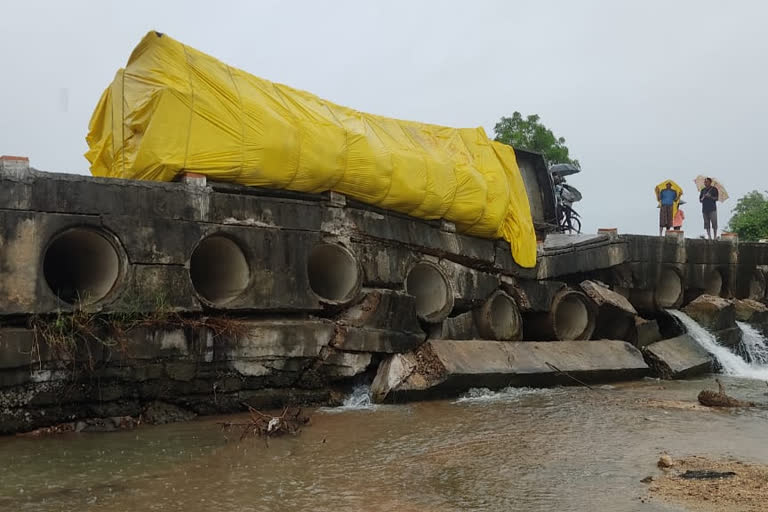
117 294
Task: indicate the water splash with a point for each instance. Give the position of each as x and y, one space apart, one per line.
359 400
730 363
754 343
509 394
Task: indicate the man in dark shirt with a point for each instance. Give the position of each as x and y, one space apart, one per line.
708 198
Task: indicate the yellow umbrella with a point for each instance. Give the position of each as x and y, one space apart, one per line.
661 186
722 195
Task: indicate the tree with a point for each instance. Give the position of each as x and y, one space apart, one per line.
530 134
750 217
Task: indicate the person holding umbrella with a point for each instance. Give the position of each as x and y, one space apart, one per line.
668 195
709 194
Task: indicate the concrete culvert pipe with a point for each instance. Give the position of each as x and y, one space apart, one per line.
713 283
334 273
669 289
499 318
571 316
434 296
81 266
219 270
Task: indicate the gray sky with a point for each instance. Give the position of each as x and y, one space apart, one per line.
642 90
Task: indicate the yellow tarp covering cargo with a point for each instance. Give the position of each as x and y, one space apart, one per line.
175 108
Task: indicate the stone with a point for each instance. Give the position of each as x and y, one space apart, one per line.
449 367
677 358
159 413
713 313
751 311
730 337
665 461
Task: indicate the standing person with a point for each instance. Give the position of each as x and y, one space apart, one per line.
666 197
708 198
677 222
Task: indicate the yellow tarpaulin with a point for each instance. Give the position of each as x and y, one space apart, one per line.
174 108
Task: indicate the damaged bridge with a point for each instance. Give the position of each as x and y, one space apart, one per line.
116 294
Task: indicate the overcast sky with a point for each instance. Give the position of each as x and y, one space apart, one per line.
642 91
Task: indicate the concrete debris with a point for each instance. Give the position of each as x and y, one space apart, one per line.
677 358
713 313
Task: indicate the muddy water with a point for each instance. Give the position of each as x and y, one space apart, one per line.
561 449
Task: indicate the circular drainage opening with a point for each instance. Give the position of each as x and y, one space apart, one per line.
669 289
432 291
713 283
334 273
81 266
219 270
572 318
499 318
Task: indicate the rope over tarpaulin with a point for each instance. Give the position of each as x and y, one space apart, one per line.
174 108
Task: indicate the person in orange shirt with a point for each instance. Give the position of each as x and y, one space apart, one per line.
677 222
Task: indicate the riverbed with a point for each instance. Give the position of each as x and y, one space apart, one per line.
560 449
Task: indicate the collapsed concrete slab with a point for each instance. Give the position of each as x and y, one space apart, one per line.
677 358
711 312
442 368
615 314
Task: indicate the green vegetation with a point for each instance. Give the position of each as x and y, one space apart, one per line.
82 339
750 217
528 133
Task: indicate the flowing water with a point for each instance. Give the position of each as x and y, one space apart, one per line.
730 362
555 449
755 344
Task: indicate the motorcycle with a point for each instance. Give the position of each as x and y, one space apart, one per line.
568 219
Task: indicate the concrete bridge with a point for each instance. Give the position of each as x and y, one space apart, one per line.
204 296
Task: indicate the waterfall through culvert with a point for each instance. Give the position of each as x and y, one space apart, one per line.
730 363
359 400
755 344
